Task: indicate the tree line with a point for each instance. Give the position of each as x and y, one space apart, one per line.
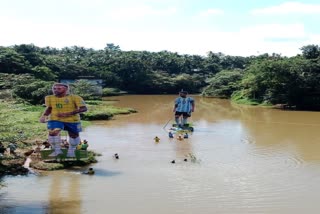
27 70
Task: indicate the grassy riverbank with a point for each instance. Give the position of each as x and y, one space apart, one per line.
20 126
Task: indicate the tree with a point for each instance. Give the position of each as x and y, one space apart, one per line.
13 62
33 92
31 53
310 51
223 84
86 89
44 73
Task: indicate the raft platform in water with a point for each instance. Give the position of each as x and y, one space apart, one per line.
187 127
80 154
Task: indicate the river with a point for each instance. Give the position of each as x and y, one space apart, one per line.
246 159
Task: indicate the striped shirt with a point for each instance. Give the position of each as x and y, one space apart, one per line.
65 104
184 104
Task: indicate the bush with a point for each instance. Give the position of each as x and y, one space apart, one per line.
86 89
223 84
6 94
33 92
96 116
112 92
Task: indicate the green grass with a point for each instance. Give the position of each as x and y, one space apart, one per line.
20 122
103 110
239 97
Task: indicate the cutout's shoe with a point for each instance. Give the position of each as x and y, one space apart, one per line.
56 153
71 153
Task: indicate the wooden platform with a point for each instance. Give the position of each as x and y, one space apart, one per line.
187 127
80 154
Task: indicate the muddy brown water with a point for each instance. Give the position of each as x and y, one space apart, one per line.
246 160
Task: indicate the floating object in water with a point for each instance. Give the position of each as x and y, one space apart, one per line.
185 160
193 158
180 137
157 139
170 135
116 156
89 172
173 161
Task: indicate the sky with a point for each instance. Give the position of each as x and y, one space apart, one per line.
195 27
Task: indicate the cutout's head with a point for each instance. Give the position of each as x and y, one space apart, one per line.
60 89
183 93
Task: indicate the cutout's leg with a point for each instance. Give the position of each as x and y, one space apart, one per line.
55 141
184 121
177 121
73 146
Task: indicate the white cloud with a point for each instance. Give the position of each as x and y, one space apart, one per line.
280 31
142 11
289 8
247 41
243 43
211 12
313 39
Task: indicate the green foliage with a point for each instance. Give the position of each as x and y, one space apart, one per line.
33 92
5 94
43 72
8 81
31 53
311 51
161 81
223 84
241 97
13 62
112 92
265 78
191 83
94 102
285 80
25 87
86 89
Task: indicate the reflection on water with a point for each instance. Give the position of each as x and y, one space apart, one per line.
247 160
64 197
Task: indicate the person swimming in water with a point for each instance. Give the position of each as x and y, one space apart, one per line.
89 172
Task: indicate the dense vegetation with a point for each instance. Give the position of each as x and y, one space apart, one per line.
27 72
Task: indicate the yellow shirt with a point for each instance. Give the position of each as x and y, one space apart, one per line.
65 104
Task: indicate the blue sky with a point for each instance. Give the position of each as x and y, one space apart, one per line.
241 28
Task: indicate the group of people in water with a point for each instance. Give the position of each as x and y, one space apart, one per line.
180 136
171 135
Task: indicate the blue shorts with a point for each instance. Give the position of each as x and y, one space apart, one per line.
70 127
